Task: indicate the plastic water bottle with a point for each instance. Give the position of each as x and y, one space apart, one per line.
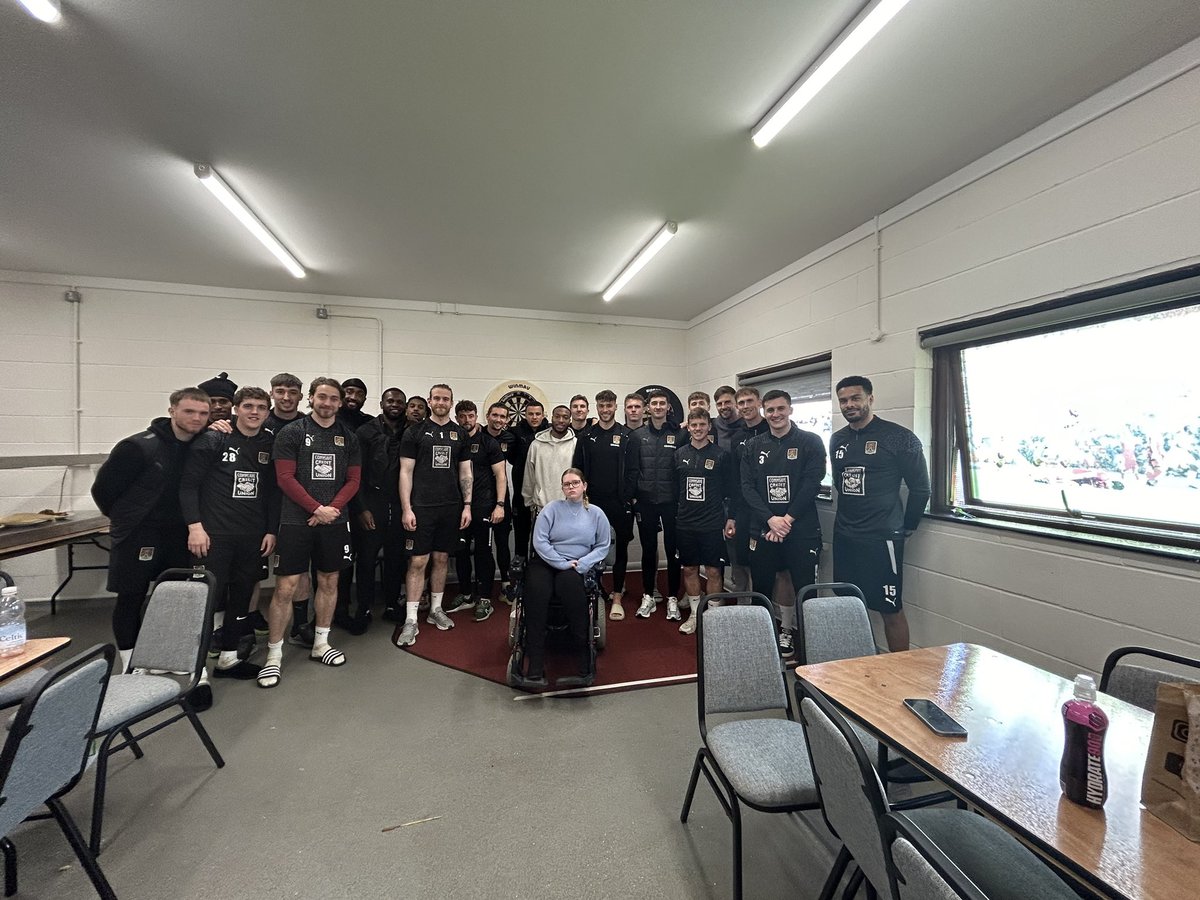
1081 774
12 622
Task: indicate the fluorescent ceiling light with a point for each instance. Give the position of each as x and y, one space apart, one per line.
644 256
857 35
46 10
211 180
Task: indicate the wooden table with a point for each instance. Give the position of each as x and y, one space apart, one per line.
36 649
18 541
1008 764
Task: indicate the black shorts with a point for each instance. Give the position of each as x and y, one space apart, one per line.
798 556
437 530
876 566
234 559
700 548
148 552
325 546
738 546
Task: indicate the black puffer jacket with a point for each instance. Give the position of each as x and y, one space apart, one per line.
656 457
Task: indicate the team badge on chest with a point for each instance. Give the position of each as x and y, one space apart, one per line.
339 441
793 453
670 440
710 463
870 448
263 457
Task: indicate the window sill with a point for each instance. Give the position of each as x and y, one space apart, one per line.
1133 545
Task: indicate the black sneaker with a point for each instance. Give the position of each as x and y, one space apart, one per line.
393 614
787 643
200 697
304 635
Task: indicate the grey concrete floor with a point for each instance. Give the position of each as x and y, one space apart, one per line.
572 798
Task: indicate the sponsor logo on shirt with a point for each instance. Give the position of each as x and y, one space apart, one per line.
441 456
779 489
870 448
616 442
793 452
710 463
408 544
263 457
146 554
474 448
245 485
695 490
854 481
324 467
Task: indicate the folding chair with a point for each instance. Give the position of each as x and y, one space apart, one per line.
1138 684
761 762
174 636
46 753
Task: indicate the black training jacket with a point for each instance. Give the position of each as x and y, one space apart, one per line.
781 476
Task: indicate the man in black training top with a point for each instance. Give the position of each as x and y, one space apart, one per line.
610 465
749 403
657 440
137 487
490 481
533 421
435 492
579 414
318 467
781 474
497 427
871 458
728 419
352 415
377 508
705 485
231 507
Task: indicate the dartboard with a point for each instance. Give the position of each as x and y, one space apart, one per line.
515 396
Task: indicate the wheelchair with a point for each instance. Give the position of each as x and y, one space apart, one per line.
556 626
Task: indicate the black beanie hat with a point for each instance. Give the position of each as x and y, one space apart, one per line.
355 382
220 386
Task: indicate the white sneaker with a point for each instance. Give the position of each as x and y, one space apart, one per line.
689 627
439 618
646 610
673 610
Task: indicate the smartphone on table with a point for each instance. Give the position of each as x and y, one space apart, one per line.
935 718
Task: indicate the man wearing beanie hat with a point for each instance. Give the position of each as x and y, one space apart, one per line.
220 392
354 398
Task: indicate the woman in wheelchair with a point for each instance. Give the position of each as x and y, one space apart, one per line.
569 538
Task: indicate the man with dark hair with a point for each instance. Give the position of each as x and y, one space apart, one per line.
377 508
728 419
231 507
609 462
657 442
220 392
579 414
498 430
695 400
534 421
549 456
318 466
871 459
704 485
749 404
781 474
436 485
487 506
137 487
286 392
635 410
354 398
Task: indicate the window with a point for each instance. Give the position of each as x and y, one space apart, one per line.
1088 426
808 381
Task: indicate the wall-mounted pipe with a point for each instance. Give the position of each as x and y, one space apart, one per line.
323 312
73 297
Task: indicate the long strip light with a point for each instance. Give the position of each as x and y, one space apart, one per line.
219 189
46 10
857 35
644 256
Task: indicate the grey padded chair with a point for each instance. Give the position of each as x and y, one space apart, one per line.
762 761
917 867
854 804
174 636
46 753
1138 684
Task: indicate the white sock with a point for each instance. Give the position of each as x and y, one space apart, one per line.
218 619
410 611
275 652
435 600
203 677
787 617
322 637
693 602
227 660
126 656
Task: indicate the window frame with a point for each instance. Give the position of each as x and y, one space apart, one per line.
950 450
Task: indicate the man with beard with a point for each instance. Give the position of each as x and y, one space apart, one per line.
137 487
354 392
354 396
487 507
318 466
550 455
609 462
497 428
377 508
655 511
231 506
435 493
728 418
416 412
220 392
534 421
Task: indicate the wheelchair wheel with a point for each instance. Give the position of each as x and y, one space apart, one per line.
600 626
514 625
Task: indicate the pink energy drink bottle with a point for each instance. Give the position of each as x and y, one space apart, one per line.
1081 774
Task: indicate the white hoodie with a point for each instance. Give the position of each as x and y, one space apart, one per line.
548 458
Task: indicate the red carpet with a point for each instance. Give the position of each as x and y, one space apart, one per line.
637 650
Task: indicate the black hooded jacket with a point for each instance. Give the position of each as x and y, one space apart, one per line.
139 482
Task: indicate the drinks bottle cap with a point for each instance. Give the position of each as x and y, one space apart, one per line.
1085 687
7 592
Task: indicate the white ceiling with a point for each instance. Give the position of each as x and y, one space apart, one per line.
512 152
